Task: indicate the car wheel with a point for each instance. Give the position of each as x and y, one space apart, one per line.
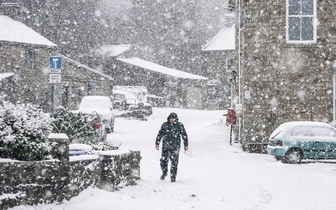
294 156
278 158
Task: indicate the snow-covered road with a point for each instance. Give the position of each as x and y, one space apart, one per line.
217 177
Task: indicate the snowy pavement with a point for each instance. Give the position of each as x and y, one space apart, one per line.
217 177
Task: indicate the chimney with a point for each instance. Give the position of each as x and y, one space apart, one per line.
11 9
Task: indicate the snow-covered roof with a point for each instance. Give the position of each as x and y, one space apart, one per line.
160 69
112 50
79 65
5 75
224 40
15 31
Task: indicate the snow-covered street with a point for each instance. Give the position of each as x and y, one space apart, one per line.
217 177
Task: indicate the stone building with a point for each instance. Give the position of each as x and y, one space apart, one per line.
172 87
179 88
79 80
217 63
24 69
25 54
285 65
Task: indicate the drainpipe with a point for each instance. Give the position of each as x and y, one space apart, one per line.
239 69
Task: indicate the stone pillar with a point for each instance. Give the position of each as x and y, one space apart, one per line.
60 143
60 150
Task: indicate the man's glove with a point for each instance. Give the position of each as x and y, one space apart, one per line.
156 146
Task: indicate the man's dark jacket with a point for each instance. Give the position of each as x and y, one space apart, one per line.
171 134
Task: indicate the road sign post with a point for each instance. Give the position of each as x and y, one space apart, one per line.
55 78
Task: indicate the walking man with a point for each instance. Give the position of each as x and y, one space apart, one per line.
171 133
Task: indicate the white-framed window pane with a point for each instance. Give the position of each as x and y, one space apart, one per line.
293 7
301 16
307 7
294 28
307 28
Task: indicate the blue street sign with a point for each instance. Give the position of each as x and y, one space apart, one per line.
55 62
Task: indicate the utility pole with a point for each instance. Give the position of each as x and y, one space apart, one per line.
55 78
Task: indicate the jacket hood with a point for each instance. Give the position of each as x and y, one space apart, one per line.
172 115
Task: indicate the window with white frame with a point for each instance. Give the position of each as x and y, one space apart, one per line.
301 21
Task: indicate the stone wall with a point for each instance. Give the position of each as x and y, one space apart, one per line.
286 82
35 182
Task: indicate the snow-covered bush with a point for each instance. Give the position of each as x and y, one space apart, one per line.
24 132
77 126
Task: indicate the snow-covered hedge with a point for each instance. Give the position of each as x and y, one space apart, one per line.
24 131
77 126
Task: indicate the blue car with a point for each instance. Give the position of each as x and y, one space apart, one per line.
293 141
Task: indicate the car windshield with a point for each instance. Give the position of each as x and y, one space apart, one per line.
118 96
277 131
275 134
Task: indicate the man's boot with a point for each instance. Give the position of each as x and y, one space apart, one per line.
163 176
173 179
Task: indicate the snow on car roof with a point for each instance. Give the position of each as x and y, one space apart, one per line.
122 92
85 147
288 125
100 104
96 98
305 123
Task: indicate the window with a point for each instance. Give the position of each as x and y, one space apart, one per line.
323 132
242 19
230 64
91 88
30 56
301 21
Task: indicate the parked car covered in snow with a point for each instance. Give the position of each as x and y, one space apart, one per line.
103 106
79 149
293 141
132 99
145 108
122 99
